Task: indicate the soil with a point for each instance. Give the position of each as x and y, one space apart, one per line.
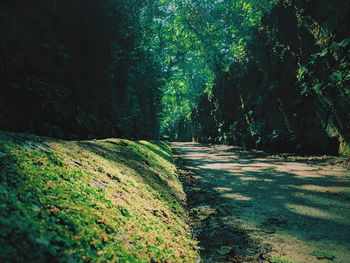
249 206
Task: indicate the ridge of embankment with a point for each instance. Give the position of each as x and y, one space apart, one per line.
91 201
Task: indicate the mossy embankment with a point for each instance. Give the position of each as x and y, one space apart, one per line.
90 201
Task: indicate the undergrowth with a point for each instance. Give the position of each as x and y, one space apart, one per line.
91 201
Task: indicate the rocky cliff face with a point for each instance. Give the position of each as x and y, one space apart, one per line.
293 93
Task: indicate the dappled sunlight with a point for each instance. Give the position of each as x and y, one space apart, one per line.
308 175
229 193
268 180
317 213
192 167
329 189
263 164
237 197
252 169
294 206
249 178
195 155
292 166
222 189
300 250
217 166
338 172
330 202
250 90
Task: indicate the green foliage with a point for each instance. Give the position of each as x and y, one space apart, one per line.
186 69
322 255
91 201
284 84
200 40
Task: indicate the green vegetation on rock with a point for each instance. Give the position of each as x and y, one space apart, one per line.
91 201
270 75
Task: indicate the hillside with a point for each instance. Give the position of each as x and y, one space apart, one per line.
90 201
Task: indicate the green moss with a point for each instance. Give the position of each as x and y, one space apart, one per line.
110 200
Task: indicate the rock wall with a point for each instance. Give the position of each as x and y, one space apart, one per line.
292 93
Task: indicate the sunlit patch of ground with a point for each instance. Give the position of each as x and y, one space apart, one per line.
310 211
237 197
267 206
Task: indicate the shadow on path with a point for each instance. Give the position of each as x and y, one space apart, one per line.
254 207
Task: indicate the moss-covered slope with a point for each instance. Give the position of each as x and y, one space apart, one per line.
90 201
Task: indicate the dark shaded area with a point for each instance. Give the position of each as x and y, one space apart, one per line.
76 70
292 93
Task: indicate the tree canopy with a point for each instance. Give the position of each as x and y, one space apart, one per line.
271 75
265 74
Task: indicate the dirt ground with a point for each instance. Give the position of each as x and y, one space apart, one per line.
248 206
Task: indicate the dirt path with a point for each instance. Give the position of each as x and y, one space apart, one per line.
250 207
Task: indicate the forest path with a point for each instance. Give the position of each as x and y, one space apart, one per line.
247 206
